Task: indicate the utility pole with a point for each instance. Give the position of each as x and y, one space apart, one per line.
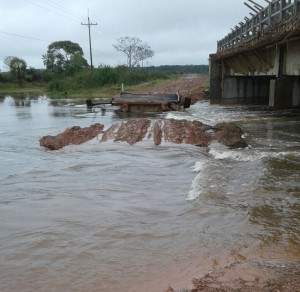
89 24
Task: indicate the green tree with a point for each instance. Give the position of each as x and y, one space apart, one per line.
135 49
16 66
64 56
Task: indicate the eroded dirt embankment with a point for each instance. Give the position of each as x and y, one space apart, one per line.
188 85
134 131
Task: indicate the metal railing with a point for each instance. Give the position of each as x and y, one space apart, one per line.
268 18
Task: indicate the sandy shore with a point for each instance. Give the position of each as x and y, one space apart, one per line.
251 276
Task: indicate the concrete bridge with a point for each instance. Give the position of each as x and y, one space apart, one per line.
259 61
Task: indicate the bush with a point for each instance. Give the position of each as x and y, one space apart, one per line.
104 76
58 85
97 77
5 77
101 76
48 76
28 77
33 74
134 77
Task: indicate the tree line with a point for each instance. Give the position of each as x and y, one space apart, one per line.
67 69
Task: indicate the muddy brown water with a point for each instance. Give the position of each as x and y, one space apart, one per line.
114 217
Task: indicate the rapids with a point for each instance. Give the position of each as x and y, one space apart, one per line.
115 217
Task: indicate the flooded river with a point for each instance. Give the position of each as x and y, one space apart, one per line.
113 217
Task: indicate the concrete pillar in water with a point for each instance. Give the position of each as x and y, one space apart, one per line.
285 92
247 88
215 81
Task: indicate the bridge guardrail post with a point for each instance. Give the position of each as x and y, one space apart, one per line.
270 14
281 11
297 4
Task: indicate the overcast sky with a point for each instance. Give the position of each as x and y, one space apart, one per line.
179 31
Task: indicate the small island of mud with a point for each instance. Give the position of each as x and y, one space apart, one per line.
134 131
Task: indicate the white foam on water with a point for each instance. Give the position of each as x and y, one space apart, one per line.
179 116
207 169
208 114
149 134
199 182
199 165
221 152
282 154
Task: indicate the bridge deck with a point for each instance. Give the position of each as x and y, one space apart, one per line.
275 23
281 34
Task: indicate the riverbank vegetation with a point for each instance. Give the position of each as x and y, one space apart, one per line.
103 80
67 73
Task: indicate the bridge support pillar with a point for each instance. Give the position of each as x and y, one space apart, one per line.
242 88
247 87
215 80
285 92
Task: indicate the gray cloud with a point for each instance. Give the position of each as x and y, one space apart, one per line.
180 32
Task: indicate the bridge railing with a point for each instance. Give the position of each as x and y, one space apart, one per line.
278 11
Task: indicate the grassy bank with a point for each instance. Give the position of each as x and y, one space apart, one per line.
25 88
104 91
100 82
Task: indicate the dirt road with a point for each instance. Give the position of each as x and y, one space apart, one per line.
188 85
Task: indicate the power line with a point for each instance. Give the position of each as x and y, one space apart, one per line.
47 9
62 8
23 36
